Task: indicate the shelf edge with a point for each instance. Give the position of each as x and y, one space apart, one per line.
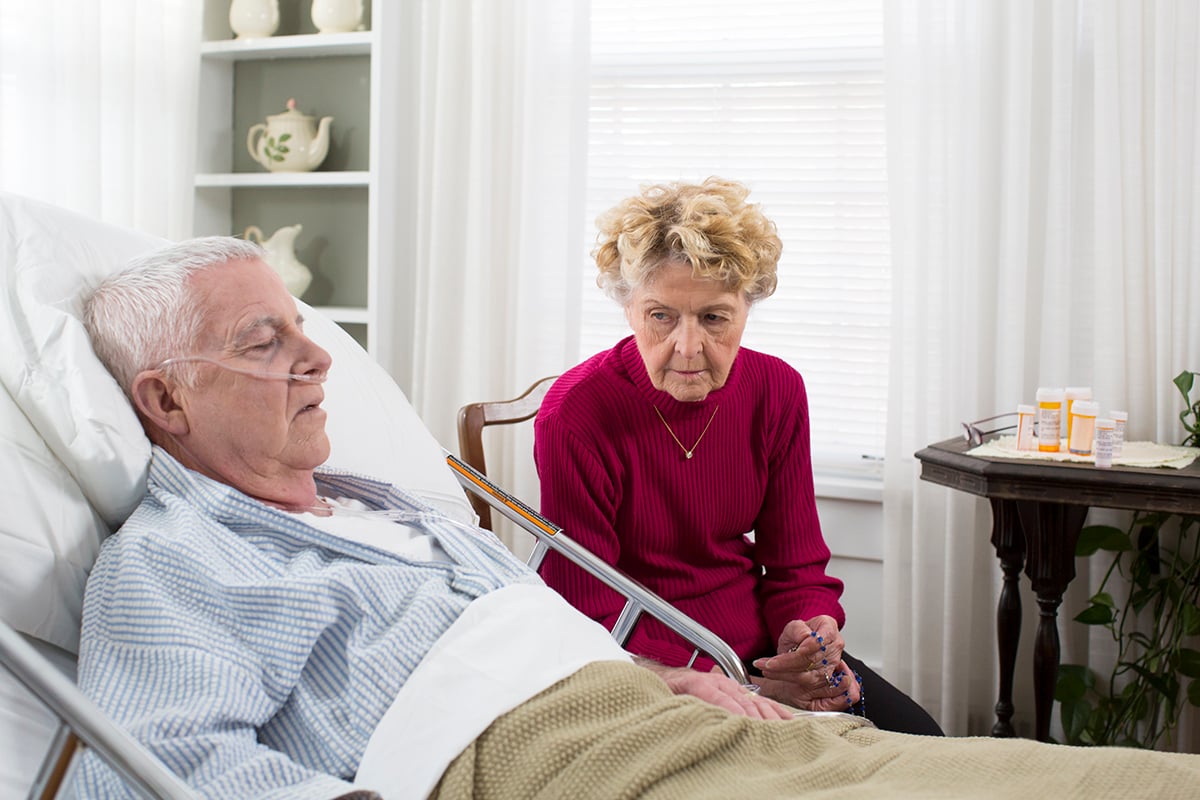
298 45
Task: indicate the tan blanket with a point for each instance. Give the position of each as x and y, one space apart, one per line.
614 730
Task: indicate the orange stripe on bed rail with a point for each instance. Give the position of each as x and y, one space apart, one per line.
504 498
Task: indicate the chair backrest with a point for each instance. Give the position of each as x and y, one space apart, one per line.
474 417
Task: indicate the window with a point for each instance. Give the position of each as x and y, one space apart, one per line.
788 98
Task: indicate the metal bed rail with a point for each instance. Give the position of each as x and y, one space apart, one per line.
83 723
639 599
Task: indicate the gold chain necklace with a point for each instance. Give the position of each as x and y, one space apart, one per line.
687 452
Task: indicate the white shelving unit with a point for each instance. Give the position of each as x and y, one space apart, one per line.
346 237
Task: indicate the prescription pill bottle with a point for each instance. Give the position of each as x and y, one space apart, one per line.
1081 425
1072 394
1119 419
1104 442
1025 416
1049 419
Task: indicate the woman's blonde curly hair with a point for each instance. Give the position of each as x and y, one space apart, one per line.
708 225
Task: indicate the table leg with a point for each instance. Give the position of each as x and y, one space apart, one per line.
1009 541
1051 533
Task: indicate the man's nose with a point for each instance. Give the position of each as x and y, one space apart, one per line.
314 359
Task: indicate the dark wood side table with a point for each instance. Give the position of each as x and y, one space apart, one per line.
1038 510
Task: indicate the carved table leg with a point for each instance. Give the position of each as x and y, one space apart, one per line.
1009 541
1051 533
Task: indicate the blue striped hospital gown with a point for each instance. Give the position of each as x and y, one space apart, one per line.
253 653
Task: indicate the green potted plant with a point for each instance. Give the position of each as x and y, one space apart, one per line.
1155 671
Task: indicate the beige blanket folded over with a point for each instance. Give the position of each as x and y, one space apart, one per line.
614 730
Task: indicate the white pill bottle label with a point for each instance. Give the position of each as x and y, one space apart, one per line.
1025 417
1104 442
1082 427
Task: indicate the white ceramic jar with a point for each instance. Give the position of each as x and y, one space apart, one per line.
337 16
253 18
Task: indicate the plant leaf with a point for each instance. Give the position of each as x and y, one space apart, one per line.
1102 537
1095 615
1193 693
1189 662
1164 685
1139 598
1191 619
1075 718
1071 685
1184 381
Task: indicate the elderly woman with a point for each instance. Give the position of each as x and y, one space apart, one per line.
683 458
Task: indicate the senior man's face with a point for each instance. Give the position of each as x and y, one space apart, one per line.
688 331
263 436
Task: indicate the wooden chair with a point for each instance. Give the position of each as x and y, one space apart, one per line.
474 417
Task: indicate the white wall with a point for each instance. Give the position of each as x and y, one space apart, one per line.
853 528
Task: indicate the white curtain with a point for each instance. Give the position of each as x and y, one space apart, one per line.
499 156
1045 228
97 107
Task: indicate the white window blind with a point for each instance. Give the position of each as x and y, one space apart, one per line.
788 98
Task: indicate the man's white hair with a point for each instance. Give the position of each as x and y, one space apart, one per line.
146 313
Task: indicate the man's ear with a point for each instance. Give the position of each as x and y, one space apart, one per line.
155 398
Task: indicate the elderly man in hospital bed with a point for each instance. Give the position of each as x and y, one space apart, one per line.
272 627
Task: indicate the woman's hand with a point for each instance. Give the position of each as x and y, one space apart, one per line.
720 690
808 672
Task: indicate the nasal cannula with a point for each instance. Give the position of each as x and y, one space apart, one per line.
318 377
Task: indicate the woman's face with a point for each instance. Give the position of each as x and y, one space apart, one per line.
688 331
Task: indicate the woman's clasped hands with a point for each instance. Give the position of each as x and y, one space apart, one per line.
808 671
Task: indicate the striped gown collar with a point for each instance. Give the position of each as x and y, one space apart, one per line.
469 546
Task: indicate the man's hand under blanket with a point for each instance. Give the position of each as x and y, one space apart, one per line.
717 688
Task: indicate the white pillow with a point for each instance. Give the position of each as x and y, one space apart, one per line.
73 456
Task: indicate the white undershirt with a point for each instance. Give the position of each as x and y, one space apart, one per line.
354 520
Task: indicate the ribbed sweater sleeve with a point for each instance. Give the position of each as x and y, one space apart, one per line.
615 478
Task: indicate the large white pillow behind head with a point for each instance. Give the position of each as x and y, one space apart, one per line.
73 456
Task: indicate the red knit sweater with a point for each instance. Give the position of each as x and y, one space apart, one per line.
619 484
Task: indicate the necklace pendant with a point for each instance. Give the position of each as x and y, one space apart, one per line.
687 453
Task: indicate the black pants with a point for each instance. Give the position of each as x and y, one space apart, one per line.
885 705
888 707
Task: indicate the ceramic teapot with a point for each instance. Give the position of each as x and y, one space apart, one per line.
290 141
281 256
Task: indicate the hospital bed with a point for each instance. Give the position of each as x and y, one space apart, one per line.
73 465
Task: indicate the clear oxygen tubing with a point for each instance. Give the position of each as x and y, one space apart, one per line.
269 376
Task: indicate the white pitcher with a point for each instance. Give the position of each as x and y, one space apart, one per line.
281 256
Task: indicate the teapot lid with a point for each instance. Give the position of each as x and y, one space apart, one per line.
291 112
